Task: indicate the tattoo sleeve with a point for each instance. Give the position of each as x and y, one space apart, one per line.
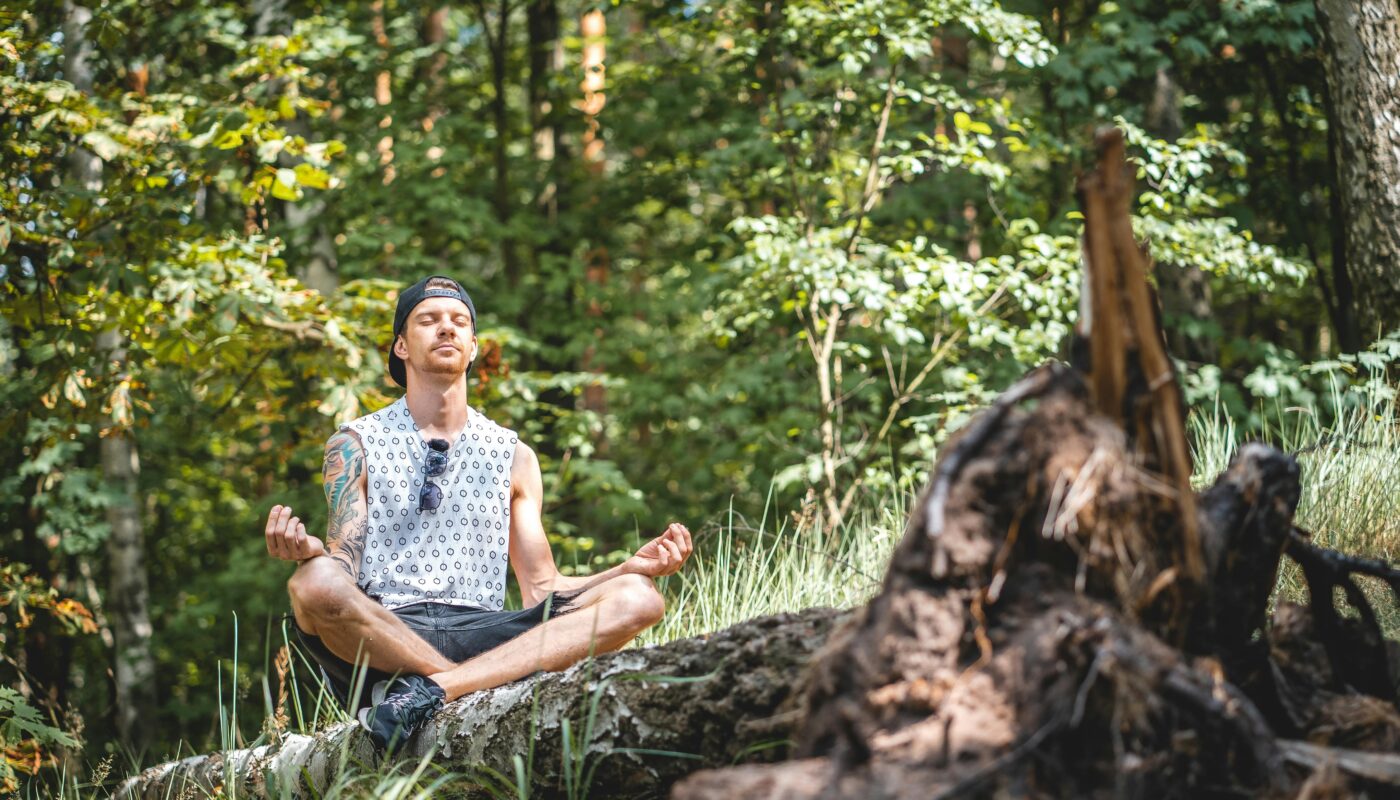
347 520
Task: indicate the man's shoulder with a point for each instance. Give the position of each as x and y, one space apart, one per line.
351 435
374 419
490 427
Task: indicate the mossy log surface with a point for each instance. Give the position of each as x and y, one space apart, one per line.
702 702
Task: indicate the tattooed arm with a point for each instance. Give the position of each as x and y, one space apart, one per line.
347 518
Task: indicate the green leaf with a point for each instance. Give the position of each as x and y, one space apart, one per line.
73 391
312 177
227 140
284 186
18 718
42 352
103 145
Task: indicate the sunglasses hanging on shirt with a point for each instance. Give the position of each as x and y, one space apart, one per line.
430 496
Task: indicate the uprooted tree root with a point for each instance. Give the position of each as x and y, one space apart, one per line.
1064 617
1023 640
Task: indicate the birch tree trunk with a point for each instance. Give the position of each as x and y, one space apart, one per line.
1361 54
637 721
128 598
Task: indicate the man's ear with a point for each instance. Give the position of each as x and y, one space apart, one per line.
400 347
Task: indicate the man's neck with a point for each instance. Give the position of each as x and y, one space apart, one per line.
439 410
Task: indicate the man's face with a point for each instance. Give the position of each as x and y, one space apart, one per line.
438 337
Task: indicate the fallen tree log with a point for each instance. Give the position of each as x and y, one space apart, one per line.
1065 617
638 720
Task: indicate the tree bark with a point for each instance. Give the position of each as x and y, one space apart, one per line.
497 45
546 60
1347 322
128 598
432 34
716 699
127 602
383 90
1185 289
597 261
1361 56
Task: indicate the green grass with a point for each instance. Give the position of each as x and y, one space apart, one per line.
1350 501
740 572
1350 498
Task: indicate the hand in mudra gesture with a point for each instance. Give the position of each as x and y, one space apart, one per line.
287 538
663 555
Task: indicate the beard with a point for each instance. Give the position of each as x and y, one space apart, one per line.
445 362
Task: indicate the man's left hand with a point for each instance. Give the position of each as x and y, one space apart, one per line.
663 555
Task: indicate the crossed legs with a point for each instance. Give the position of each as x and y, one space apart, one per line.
327 603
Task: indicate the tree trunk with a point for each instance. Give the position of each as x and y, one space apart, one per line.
1361 55
383 90
1348 322
306 228
432 34
546 60
128 598
270 16
1185 289
1336 294
134 668
498 43
597 262
710 700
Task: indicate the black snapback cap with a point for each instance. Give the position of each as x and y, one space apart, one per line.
409 299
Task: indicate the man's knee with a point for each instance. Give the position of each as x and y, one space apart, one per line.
636 602
320 591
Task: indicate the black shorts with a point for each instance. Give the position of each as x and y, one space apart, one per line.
457 632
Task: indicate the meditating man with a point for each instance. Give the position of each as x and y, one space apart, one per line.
427 501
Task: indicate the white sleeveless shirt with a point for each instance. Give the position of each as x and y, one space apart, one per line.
455 554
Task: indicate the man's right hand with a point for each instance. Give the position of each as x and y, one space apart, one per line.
287 538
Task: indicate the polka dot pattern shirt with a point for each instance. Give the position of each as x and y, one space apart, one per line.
456 553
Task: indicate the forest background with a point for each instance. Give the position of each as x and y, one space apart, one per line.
729 257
